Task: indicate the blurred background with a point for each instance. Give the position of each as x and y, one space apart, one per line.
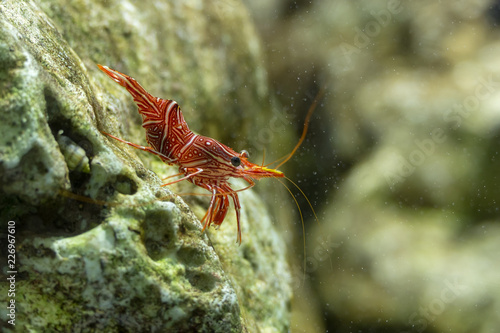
401 161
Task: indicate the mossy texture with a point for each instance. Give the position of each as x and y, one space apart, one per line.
101 247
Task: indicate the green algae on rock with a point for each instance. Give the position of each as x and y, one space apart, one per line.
136 260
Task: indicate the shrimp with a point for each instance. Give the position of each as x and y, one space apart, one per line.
203 161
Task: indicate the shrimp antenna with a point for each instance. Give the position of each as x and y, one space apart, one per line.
314 213
305 196
301 220
304 131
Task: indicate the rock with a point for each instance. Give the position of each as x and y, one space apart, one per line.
100 246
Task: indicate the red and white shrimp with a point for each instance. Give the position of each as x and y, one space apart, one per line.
203 161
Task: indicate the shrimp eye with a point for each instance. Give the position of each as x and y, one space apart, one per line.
235 161
244 153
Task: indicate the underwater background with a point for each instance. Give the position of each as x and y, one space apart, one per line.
401 162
